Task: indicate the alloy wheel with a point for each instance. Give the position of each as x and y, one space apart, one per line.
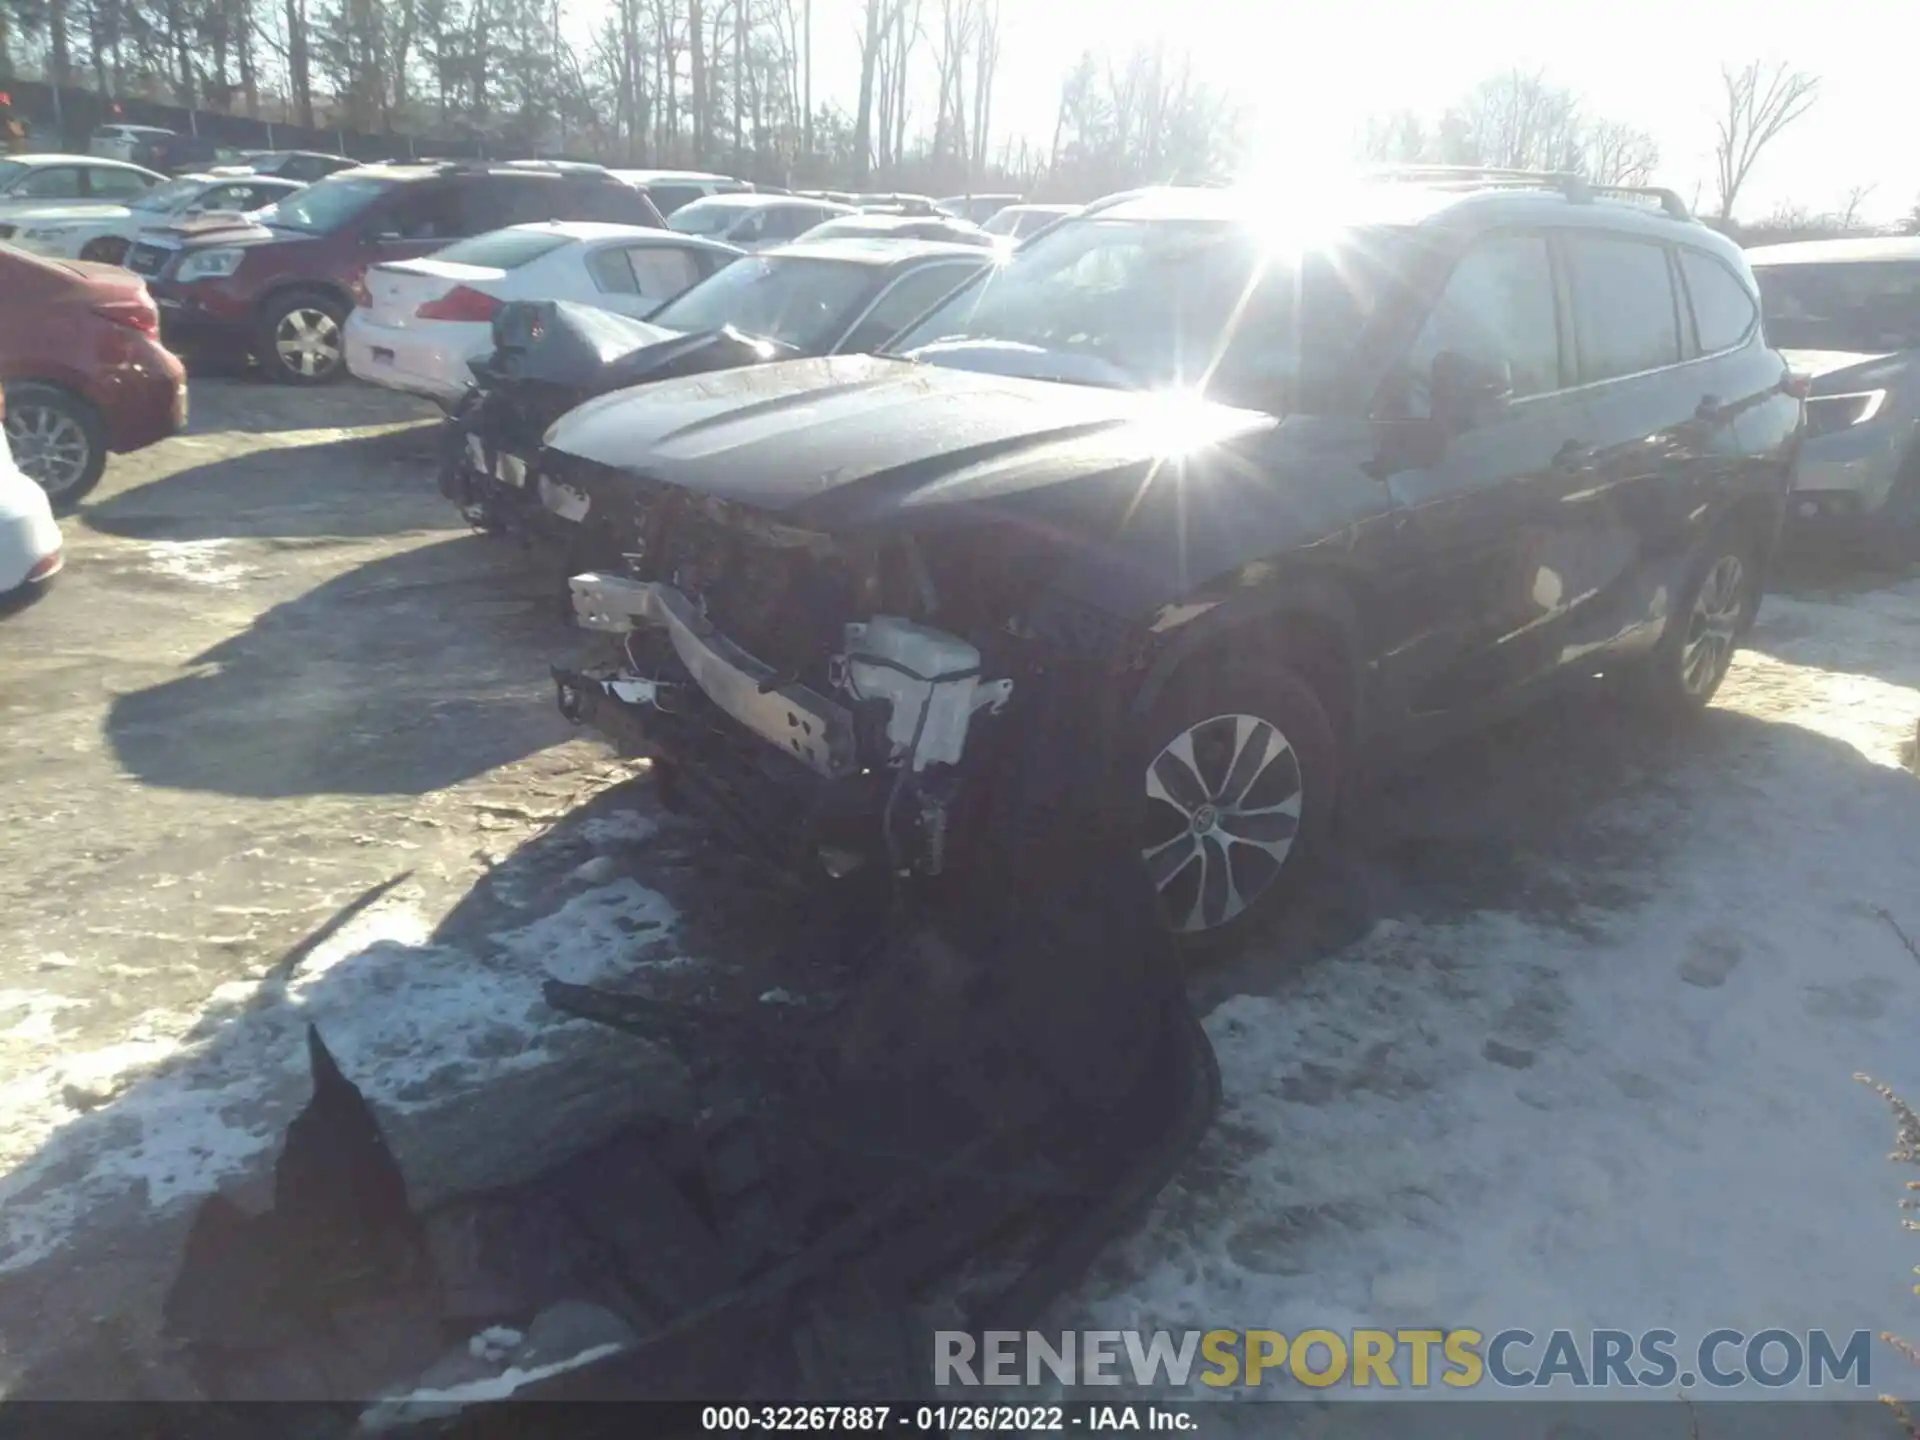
49 446
1223 810
307 341
1713 626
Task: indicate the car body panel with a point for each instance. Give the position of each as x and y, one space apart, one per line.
51 332
30 553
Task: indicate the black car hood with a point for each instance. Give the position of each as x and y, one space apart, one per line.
859 440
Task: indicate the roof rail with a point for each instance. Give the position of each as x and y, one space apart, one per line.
1577 188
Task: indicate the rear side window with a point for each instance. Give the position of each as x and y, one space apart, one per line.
1623 306
504 249
1723 311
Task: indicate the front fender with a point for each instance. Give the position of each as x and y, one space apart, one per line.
1187 628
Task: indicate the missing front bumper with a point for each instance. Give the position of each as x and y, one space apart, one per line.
813 729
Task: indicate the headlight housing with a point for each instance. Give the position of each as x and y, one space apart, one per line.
1829 413
210 264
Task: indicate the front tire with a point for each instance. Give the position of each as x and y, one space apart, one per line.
302 339
1236 771
57 440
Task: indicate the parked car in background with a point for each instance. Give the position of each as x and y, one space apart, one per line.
105 232
281 287
30 554
1847 314
121 142
419 322
671 189
1016 222
754 222
83 369
893 203
305 166
821 297
1478 436
901 227
29 181
977 208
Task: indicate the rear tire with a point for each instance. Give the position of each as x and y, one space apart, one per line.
301 339
1237 769
1686 668
57 440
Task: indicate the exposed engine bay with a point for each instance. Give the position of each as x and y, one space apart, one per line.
861 682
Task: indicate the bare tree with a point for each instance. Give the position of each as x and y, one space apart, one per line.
863 117
1850 212
1617 154
1760 103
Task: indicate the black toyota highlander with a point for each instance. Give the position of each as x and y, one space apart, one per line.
1205 496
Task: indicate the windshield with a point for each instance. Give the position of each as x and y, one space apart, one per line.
323 208
166 197
1860 307
802 303
10 171
1003 222
699 218
1155 304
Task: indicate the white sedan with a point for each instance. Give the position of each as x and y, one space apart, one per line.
105 232
419 322
29 538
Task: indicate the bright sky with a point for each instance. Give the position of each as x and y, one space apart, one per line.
1313 73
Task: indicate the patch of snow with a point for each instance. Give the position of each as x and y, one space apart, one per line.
191 1097
1497 1122
432 1404
197 562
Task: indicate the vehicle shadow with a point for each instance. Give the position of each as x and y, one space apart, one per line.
227 394
400 677
479 1083
315 484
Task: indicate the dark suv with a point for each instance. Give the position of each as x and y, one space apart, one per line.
281 288
1199 506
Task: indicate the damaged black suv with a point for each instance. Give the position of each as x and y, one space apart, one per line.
1209 496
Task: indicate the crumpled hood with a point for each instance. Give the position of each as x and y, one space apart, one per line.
854 440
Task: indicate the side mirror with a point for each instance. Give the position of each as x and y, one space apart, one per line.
1466 392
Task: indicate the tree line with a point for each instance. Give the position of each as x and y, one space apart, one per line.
728 85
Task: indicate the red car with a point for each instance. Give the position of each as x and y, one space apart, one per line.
281 286
84 370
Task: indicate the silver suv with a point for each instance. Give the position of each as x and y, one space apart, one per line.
1847 315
